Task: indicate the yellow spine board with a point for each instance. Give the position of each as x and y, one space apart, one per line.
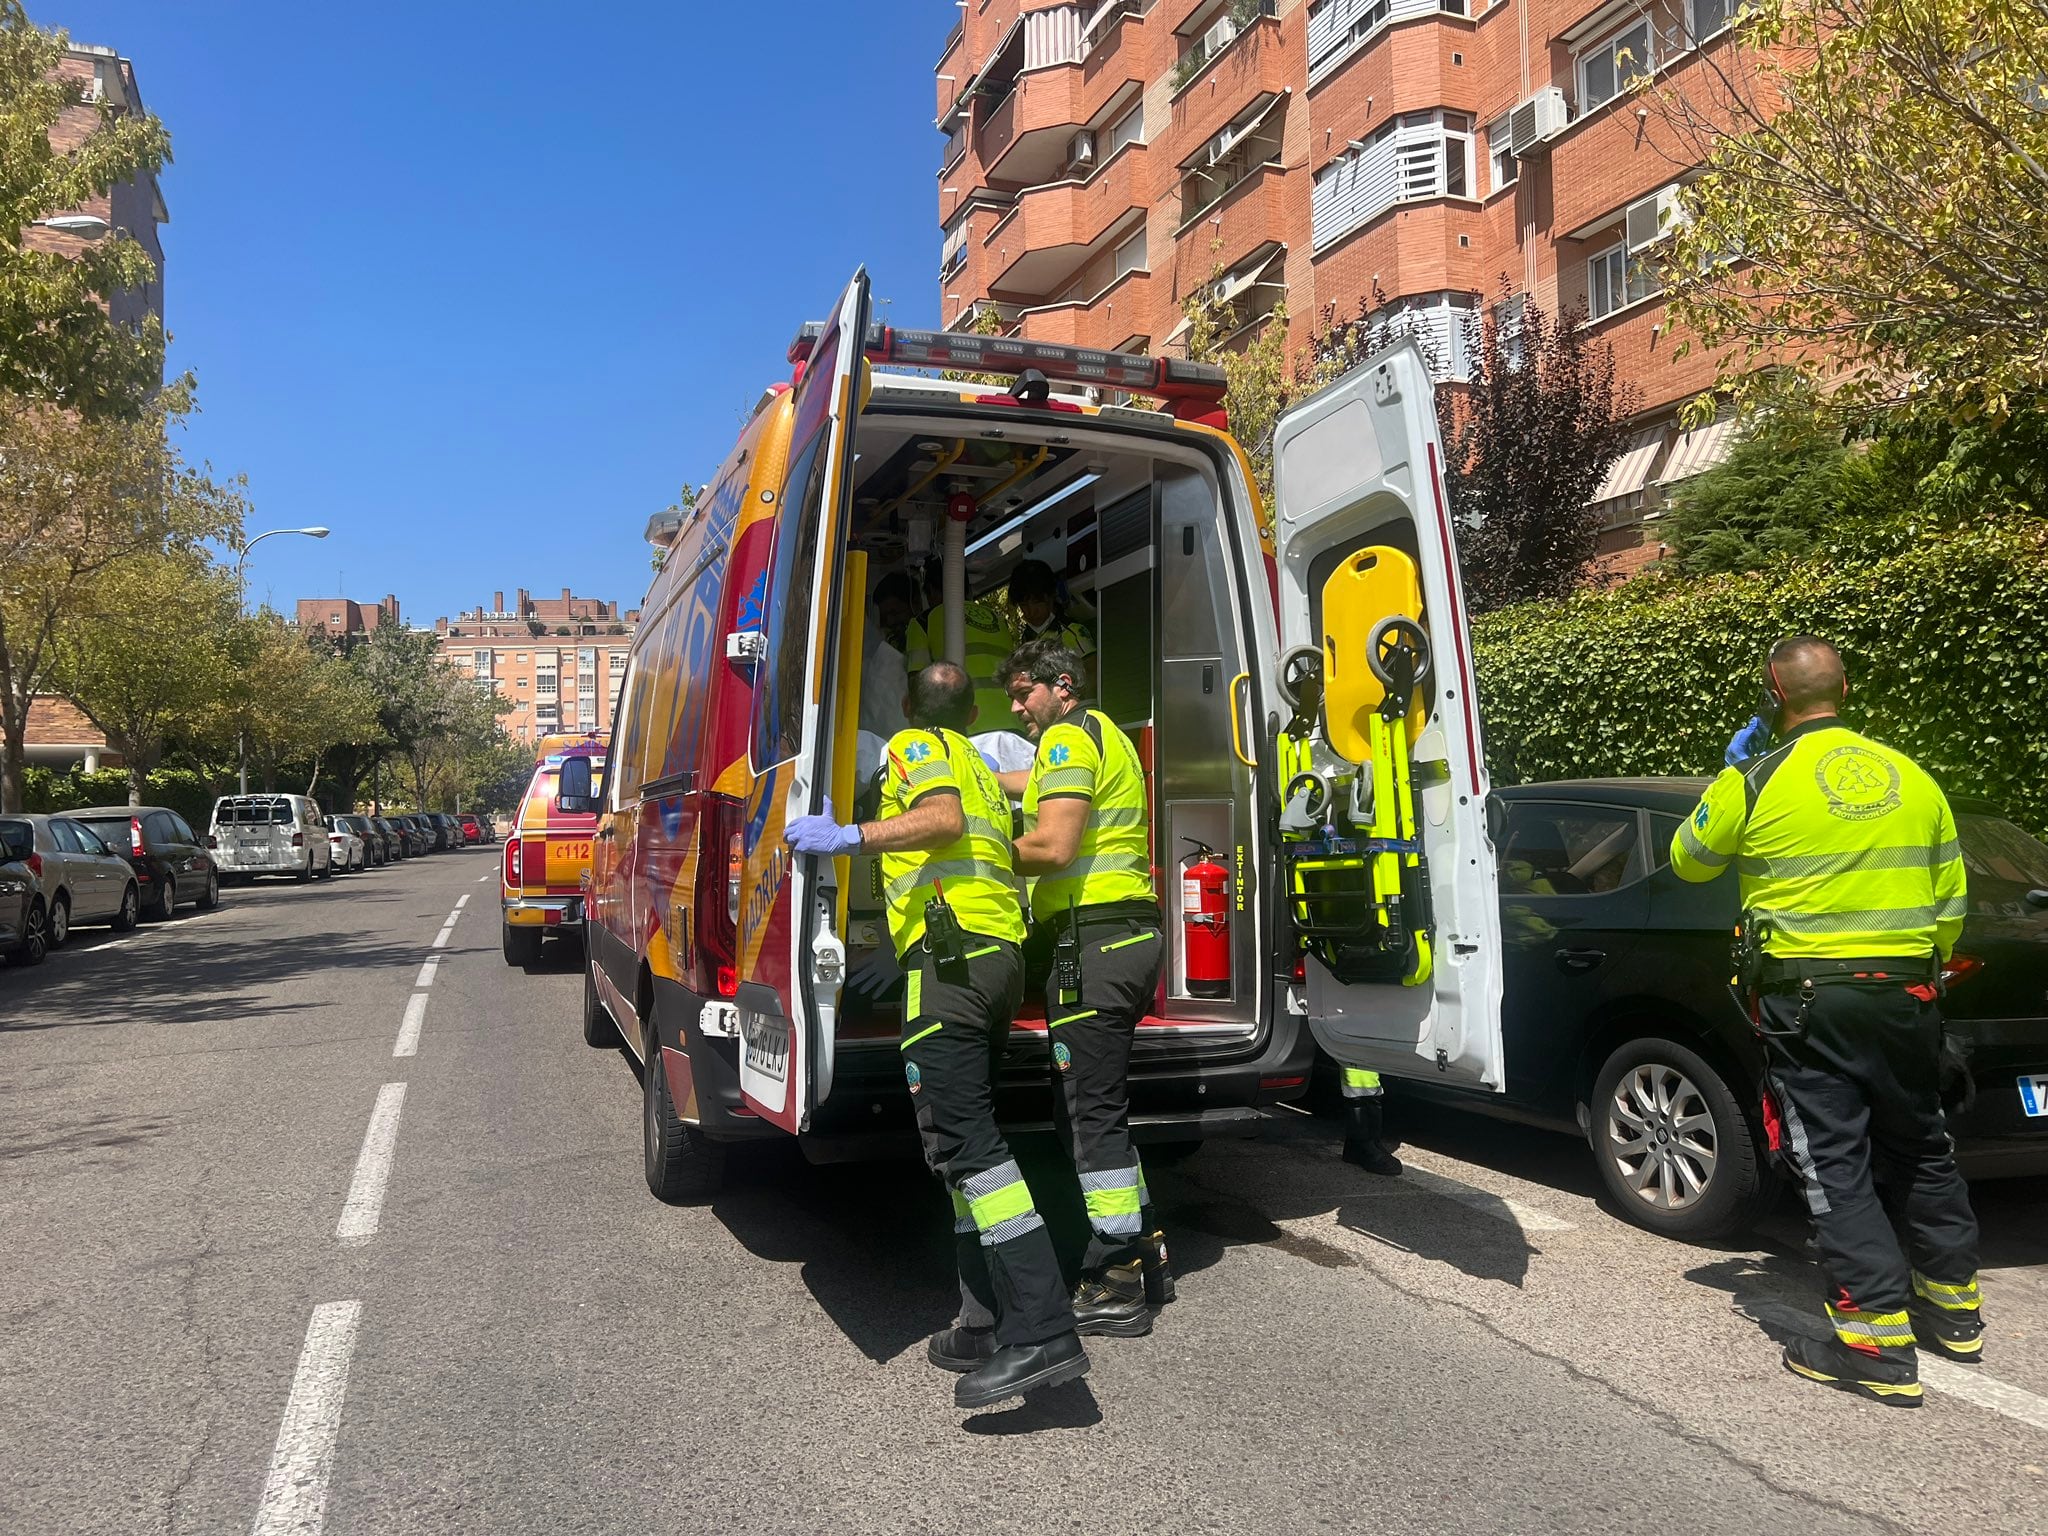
1366 587
853 610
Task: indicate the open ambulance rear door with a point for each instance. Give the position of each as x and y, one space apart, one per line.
1358 466
791 959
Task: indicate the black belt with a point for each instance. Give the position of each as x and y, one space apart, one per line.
1781 972
1106 912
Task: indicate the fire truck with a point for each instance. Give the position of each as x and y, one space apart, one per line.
1333 900
547 857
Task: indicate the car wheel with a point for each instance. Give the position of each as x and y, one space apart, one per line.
522 945
35 937
166 898
1672 1144
325 871
682 1164
209 895
60 920
598 1028
302 876
131 910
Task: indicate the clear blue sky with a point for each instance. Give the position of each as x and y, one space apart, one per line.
480 283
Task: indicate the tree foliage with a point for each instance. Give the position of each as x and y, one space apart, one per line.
1881 169
1257 387
59 342
296 701
1785 484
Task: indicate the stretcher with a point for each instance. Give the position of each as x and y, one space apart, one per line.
1350 835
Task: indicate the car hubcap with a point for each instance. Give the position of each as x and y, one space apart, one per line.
1660 1134
60 922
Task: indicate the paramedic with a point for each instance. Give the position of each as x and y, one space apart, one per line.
896 614
1091 849
954 918
1034 594
1852 887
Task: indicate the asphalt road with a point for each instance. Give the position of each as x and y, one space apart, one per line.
258 1273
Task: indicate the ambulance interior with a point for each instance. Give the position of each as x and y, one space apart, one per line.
1137 534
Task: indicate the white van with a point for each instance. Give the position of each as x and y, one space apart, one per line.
269 835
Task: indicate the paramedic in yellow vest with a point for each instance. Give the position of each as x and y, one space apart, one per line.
958 929
1089 845
989 640
1852 882
1035 595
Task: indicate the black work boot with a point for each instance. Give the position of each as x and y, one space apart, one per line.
1016 1369
961 1349
1891 1376
1957 1335
1112 1302
1159 1287
1365 1118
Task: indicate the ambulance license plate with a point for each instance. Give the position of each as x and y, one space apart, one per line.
2034 1095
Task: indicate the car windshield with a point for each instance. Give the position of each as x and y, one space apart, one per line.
2003 862
252 812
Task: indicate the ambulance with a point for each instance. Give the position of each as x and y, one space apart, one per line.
752 983
546 864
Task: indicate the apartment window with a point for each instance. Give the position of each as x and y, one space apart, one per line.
1336 28
1419 155
1618 277
1707 17
1130 256
1502 166
1128 129
1609 68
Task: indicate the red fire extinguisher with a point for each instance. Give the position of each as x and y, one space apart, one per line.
1205 922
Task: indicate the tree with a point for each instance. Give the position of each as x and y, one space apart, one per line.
1255 375
1788 482
79 495
1880 169
1532 434
150 666
298 701
60 344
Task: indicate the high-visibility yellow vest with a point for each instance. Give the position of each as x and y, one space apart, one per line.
974 869
1114 861
1843 845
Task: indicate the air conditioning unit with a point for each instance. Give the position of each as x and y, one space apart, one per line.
1081 149
1543 116
1651 218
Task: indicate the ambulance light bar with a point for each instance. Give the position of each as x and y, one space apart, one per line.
1170 378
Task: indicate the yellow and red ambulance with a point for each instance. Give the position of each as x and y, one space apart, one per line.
546 867
753 983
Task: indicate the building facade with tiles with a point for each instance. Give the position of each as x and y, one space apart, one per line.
1103 160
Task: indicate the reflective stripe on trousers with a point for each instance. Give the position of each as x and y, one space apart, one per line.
1113 1199
1359 1083
1872 1330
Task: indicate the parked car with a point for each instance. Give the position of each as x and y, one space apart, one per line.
84 881
24 915
472 827
270 834
372 839
395 846
447 830
1620 1022
417 841
171 865
425 838
345 845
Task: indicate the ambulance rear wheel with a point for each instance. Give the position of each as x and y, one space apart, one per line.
682 1165
522 945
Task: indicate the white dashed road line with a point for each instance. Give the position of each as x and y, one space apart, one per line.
1965 1381
295 1495
373 1170
441 938
462 901
409 1029
480 879
426 975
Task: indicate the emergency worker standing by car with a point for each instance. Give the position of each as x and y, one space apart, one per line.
958 931
1091 849
1852 889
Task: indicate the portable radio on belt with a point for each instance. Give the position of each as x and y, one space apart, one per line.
1066 957
942 933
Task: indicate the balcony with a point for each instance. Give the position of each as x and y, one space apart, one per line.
1226 231
1103 321
1238 18
1055 229
1028 139
1257 71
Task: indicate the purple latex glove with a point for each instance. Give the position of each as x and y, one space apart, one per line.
822 835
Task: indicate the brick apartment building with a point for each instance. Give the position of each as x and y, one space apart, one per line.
343 621
1104 159
561 661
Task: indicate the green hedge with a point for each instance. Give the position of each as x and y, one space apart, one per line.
190 794
1943 636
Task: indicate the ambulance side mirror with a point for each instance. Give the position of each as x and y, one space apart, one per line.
576 792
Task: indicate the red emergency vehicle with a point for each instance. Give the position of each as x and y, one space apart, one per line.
547 858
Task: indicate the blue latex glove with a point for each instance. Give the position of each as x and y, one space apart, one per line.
1751 741
822 835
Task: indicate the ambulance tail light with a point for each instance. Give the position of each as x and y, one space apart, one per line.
512 861
717 936
1192 389
533 861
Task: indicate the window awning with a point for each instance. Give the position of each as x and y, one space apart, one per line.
1232 134
1699 450
972 83
1631 472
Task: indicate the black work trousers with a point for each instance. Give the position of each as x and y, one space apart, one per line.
1856 1087
955 1021
1089 1032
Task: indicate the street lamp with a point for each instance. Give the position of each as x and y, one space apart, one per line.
85 226
241 601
